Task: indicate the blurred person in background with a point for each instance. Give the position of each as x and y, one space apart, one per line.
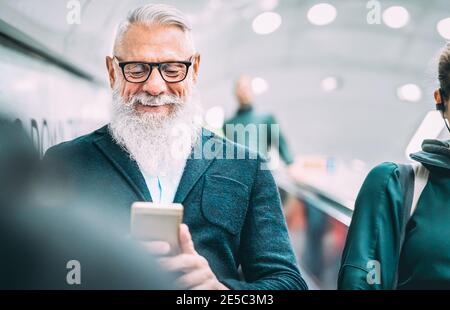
245 115
399 234
232 208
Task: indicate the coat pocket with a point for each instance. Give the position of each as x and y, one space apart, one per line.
225 202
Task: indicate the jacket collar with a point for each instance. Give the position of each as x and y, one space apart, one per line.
129 169
194 169
245 109
121 160
434 153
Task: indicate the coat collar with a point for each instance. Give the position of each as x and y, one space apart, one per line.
121 160
245 109
194 169
434 153
129 169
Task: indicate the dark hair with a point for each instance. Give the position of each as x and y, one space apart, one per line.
444 71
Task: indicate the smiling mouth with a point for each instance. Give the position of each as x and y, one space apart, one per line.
145 108
151 105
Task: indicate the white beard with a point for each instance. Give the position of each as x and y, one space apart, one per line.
159 144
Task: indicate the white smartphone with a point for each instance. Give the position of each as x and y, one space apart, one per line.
157 222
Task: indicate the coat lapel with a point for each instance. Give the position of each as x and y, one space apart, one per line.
193 170
121 161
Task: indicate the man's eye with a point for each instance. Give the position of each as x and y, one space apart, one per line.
135 73
176 67
135 69
171 72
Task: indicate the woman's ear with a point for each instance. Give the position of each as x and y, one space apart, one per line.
437 96
444 109
110 68
438 99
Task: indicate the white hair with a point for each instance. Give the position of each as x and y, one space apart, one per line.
154 14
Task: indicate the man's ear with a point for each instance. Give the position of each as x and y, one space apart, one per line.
195 68
110 68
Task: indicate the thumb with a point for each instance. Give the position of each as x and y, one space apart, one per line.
186 243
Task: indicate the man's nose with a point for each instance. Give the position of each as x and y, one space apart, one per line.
155 85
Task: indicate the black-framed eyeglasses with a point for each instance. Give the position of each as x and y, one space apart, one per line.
140 71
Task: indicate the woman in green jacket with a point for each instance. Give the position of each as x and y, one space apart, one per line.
398 240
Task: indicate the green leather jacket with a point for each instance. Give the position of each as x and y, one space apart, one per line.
373 249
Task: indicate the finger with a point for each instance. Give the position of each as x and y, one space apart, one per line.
186 243
183 262
194 278
156 247
208 285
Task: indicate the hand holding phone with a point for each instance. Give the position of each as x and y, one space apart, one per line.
157 222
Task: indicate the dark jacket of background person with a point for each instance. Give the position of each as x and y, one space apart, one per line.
247 115
231 206
375 230
39 240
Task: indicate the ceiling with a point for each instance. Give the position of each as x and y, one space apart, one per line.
363 119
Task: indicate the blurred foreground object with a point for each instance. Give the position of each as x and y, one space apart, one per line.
56 248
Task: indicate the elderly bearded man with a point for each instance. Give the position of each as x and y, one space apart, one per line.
232 213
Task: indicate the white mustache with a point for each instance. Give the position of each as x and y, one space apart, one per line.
154 101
